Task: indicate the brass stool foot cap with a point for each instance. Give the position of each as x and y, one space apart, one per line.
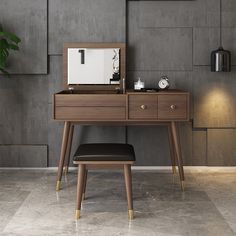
182 185
58 185
173 170
77 214
131 214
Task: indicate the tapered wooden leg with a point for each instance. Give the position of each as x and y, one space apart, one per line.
178 152
128 185
80 186
63 153
68 150
172 150
85 182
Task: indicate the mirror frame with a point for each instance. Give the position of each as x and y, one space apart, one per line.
122 47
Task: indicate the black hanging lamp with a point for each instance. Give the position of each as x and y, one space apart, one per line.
220 58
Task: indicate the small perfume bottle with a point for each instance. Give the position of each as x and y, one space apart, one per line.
138 85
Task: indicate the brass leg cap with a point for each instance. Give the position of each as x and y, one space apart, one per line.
182 185
131 214
58 185
173 170
77 214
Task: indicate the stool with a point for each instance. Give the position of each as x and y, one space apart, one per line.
104 155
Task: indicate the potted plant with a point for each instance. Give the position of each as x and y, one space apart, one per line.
8 42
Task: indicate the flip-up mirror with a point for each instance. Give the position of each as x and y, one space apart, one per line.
90 65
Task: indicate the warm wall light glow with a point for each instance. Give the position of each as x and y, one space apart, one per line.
217 107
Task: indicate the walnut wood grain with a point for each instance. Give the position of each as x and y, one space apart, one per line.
130 108
90 113
173 106
142 106
90 100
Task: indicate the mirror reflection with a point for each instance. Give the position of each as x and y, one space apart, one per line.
93 65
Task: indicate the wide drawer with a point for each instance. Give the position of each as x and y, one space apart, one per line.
89 107
90 113
89 100
142 107
172 107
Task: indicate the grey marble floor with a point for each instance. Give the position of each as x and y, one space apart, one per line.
29 204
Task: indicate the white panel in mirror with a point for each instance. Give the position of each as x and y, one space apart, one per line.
93 65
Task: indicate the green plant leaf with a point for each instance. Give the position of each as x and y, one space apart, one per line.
13 47
8 41
4 47
3 58
4 71
10 36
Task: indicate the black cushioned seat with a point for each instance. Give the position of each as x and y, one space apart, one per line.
105 152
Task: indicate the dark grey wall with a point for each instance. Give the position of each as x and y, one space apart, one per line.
174 38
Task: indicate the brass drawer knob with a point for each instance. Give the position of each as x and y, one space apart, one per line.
173 107
143 107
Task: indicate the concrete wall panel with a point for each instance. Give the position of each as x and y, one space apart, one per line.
85 21
221 148
23 156
28 20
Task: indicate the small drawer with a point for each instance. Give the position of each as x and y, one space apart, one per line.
173 107
142 107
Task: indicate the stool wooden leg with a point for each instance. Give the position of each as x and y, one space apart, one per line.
178 152
128 185
68 151
85 182
63 153
172 151
80 185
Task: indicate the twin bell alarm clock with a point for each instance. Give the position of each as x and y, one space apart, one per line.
163 83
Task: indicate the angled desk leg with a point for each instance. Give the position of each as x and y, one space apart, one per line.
68 151
172 150
63 153
177 146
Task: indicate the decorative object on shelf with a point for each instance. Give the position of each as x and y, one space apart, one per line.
220 58
164 82
8 41
138 85
116 67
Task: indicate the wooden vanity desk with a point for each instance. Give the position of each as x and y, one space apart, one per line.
132 108
104 102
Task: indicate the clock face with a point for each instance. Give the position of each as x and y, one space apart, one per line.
163 83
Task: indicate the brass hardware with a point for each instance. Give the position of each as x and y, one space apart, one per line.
182 185
77 214
172 107
143 107
58 185
131 214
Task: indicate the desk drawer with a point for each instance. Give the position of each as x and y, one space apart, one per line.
90 113
90 100
172 106
89 107
142 106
